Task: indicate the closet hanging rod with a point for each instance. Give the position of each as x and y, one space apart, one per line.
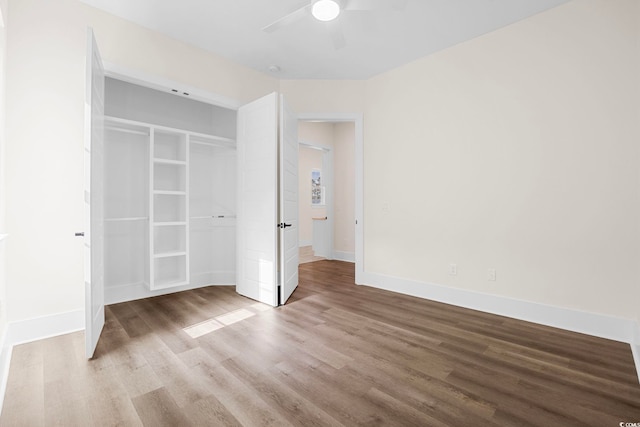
133 218
212 216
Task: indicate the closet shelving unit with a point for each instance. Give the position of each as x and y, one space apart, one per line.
169 232
161 182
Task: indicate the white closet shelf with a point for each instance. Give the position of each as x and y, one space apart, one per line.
169 254
170 192
169 223
169 162
125 125
133 218
219 141
125 130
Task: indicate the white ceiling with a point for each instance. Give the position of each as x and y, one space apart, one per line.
376 41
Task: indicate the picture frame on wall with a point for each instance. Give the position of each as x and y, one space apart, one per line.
317 190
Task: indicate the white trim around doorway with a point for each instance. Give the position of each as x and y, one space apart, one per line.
358 120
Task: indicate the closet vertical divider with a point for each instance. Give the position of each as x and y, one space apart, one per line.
169 235
152 220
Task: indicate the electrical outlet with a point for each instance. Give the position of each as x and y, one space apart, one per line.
491 274
453 269
386 207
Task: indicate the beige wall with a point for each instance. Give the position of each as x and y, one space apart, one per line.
322 96
637 55
344 188
517 151
3 291
45 125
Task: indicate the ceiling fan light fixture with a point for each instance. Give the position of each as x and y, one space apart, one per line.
325 10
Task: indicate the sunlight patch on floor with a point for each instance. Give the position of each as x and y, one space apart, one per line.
203 328
218 322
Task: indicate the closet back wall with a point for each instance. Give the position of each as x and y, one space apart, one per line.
134 102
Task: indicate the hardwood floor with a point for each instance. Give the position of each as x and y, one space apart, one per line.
336 354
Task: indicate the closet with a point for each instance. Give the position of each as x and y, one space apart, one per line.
180 193
169 192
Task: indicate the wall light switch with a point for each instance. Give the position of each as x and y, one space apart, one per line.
386 206
491 274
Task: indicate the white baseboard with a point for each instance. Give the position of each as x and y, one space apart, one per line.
344 256
24 331
635 347
599 325
303 243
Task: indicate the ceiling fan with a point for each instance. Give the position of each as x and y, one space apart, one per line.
329 10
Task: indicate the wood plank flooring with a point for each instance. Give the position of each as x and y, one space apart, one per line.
336 354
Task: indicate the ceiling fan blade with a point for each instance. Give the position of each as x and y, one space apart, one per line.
337 35
392 5
294 16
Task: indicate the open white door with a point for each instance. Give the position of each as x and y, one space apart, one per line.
288 195
94 197
257 219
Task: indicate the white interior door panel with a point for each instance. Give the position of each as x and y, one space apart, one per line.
94 197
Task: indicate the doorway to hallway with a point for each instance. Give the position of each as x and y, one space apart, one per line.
327 165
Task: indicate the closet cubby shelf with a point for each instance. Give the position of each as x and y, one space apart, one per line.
169 162
169 254
217 141
170 192
169 223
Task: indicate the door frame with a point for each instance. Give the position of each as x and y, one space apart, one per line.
357 119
